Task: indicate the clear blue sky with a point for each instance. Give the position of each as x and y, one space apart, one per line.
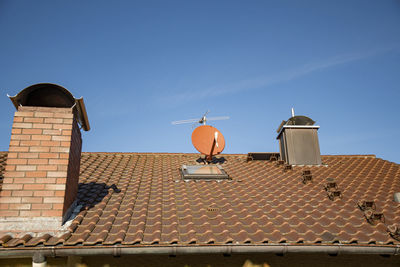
141 64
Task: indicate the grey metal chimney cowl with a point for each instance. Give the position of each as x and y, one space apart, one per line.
298 141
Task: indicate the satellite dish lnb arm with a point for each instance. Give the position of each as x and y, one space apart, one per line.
215 143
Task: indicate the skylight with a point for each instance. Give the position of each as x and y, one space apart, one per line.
206 172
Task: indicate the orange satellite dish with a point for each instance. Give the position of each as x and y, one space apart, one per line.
208 141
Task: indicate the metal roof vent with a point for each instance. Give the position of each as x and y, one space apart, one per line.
262 156
298 140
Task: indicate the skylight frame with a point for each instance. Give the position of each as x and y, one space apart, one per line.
186 175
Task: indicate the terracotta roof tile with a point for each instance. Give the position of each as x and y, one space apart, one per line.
141 199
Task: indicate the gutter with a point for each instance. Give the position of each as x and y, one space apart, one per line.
119 250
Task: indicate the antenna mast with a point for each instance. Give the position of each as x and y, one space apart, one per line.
203 119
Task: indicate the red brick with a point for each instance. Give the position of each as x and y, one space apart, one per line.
20 137
58 206
61 180
36 120
59 193
38 161
50 143
47 168
12 187
67 132
43 193
58 161
65 144
62 167
34 186
10 167
12 155
53 120
57 174
10 200
28 155
42 126
52 132
14 143
61 138
54 186
9 213
32 200
14 174
41 206
62 126
52 213
48 156
39 174
29 213
8 180
4 206
29 143
53 200
39 149
22 125
6 193
60 149
68 121
16 131
63 115
32 131
25 206
24 180
24 193
17 161
26 168
39 114
64 156
18 149
18 119
36 109
23 114
45 180
41 137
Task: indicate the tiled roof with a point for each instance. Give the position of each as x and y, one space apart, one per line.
138 199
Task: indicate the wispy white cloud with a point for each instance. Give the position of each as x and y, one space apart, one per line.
283 76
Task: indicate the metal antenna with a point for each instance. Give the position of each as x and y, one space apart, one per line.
292 112
203 120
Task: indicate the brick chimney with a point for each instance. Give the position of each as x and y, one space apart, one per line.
42 169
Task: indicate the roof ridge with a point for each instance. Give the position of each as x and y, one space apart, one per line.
352 155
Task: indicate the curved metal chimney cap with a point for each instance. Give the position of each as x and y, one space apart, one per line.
51 95
296 120
300 120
